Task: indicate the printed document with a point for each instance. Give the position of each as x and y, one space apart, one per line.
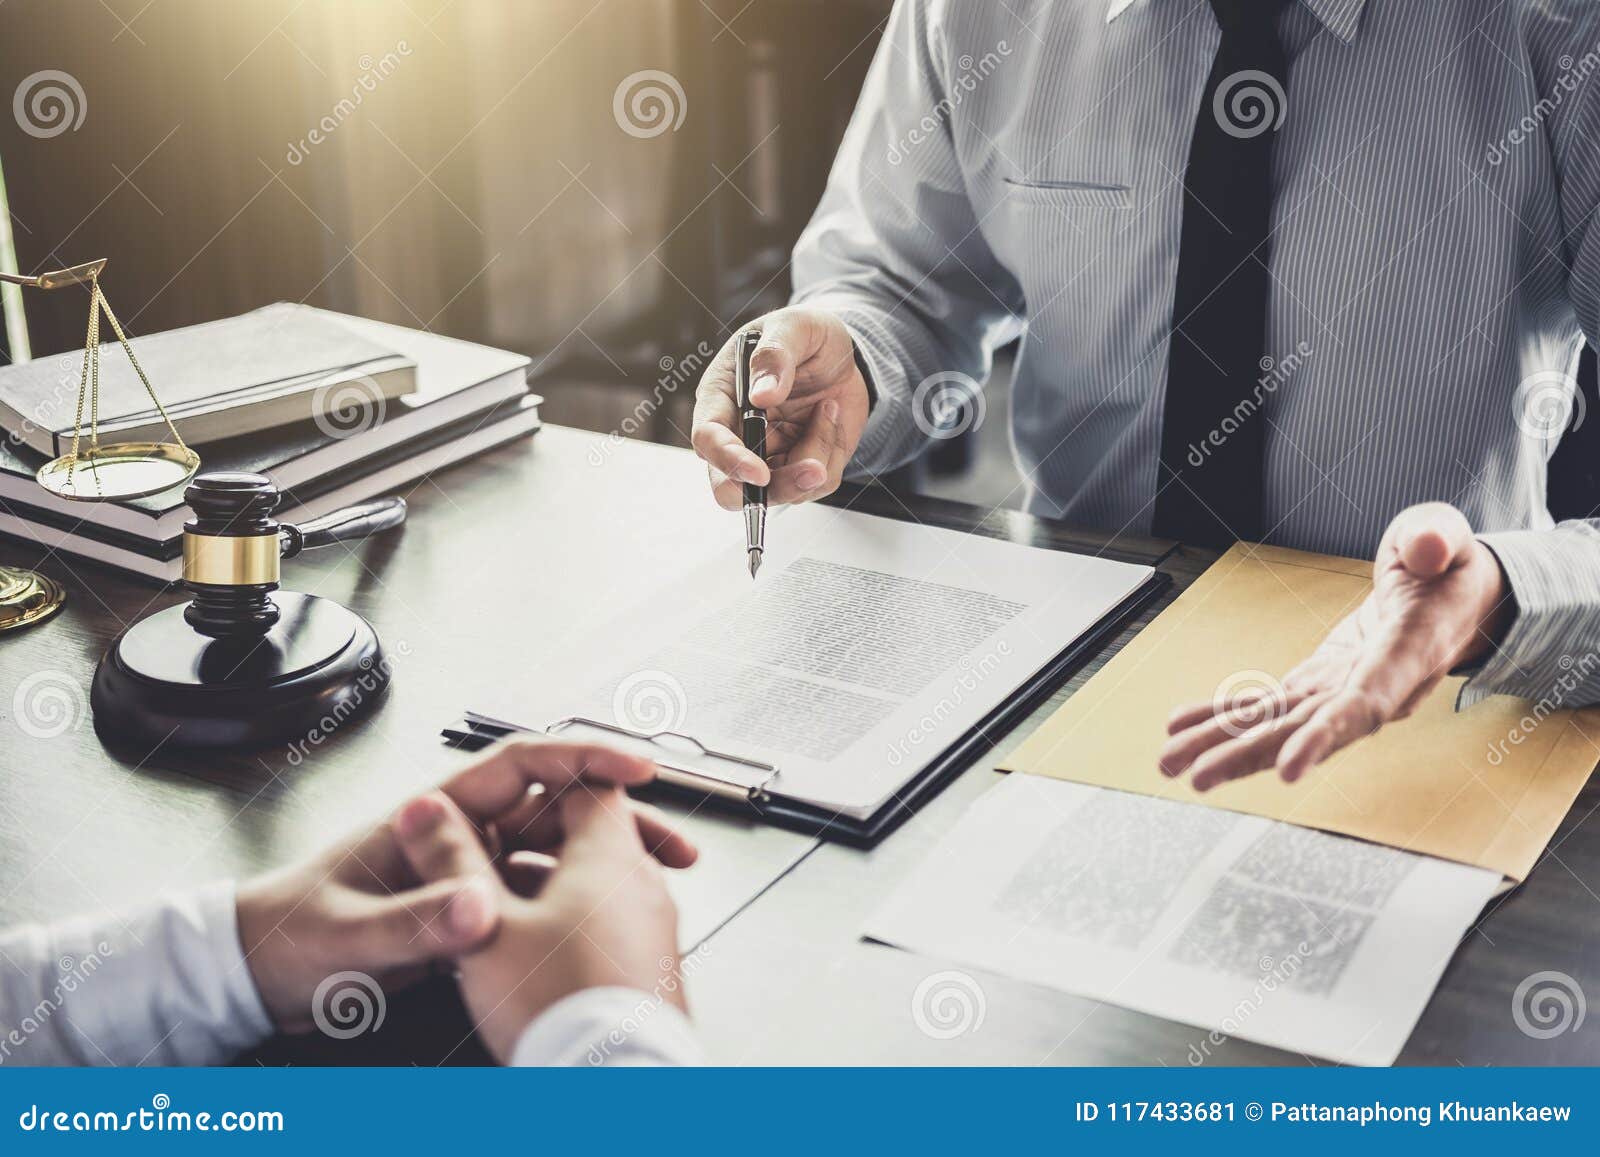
1316 943
865 648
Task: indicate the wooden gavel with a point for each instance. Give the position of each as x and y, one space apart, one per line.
232 548
236 668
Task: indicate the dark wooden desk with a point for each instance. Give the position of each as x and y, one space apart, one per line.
506 561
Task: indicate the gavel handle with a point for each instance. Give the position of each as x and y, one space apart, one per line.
345 525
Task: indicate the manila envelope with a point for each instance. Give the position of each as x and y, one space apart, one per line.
1484 786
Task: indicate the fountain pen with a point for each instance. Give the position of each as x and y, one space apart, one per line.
753 421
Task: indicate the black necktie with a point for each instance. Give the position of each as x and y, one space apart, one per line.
1209 483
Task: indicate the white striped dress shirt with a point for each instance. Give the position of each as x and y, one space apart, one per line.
1016 169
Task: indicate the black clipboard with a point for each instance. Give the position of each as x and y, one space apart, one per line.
743 789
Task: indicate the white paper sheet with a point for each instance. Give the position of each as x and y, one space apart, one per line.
866 647
1295 938
737 863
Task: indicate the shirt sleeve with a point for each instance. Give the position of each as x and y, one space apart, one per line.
162 985
896 252
609 1026
1551 652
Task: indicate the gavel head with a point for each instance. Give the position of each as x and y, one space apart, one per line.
231 550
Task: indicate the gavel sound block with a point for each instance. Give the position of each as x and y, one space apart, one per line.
238 667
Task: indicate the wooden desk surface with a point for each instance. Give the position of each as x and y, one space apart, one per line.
506 560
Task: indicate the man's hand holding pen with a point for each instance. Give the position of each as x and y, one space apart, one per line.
804 375
1440 597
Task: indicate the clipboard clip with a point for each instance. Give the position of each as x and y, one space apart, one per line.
742 780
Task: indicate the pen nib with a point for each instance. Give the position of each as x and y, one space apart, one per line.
755 561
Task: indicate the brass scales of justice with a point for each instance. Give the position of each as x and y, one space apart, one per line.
99 472
235 667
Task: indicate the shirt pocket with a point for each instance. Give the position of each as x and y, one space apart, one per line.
1069 194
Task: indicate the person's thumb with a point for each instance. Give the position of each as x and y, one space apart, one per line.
444 918
438 841
1432 538
788 338
444 850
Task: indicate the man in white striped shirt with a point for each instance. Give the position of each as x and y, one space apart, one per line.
1410 311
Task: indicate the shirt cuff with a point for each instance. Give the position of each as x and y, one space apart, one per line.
890 437
1556 621
219 914
171 985
864 367
885 428
609 1026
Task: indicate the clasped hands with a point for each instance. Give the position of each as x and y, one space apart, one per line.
1439 601
531 872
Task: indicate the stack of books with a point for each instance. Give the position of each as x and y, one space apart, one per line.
335 409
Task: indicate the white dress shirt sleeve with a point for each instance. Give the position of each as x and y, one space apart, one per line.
166 984
609 1026
895 250
1551 653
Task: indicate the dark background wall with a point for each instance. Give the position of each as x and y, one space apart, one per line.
476 179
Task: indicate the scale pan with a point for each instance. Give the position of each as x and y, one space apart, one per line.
27 598
119 470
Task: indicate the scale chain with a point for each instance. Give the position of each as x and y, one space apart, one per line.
89 380
116 328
